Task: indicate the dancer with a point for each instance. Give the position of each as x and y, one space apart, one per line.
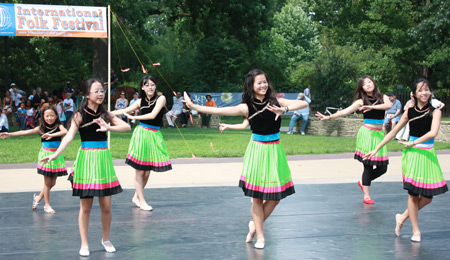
147 151
373 104
422 175
266 176
93 172
51 130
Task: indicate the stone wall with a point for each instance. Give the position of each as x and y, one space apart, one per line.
349 127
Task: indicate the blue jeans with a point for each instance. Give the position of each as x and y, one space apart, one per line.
22 122
294 118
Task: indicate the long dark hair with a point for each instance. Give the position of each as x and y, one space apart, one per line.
144 80
104 114
42 122
416 85
248 95
361 94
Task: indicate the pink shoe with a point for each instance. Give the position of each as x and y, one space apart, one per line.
368 201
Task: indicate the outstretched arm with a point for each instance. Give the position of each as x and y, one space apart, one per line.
62 132
403 121
76 121
435 124
352 108
160 103
239 110
240 126
20 133
129 109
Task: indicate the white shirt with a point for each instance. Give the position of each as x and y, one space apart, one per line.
30 112
66 103
4 121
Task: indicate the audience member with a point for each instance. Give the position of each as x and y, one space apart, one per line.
68 107
176 109
205 117
31 115
393 114
122 103
22 116
8 103
301 113
4 127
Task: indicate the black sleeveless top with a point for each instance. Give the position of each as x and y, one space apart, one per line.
422 125
147 106
50 129
263 123
374 113
89 133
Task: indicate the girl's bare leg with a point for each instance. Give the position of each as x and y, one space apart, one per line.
83 220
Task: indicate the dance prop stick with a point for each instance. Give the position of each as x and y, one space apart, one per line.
143 69
125 70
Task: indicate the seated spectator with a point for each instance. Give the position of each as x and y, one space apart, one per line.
393 114
8 103
30 97
205 117
122 103
22 116
31 115
37 98
301 113
185 114
4 127
176 109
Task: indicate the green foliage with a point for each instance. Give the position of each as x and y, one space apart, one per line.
206 45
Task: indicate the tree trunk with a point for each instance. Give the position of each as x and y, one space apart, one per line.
100 59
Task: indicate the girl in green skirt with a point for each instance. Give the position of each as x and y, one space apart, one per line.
266 176
51 130
147 151
93 172
422 175
373 104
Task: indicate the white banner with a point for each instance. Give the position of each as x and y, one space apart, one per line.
55 21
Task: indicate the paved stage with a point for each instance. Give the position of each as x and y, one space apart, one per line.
320 221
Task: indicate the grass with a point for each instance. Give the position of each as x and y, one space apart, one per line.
201 142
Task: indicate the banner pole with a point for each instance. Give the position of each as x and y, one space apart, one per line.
109 69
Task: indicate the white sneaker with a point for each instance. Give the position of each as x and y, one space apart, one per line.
303 133
290 132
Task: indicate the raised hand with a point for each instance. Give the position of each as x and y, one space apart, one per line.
277 110
365 108
103 125
187 100
322 116
222 127
48 159
406 144
4 135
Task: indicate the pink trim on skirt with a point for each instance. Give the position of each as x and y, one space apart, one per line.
50 169
267 189
272 142
425 185
373 158
93 149
373 129
50 149
157 164
93 186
